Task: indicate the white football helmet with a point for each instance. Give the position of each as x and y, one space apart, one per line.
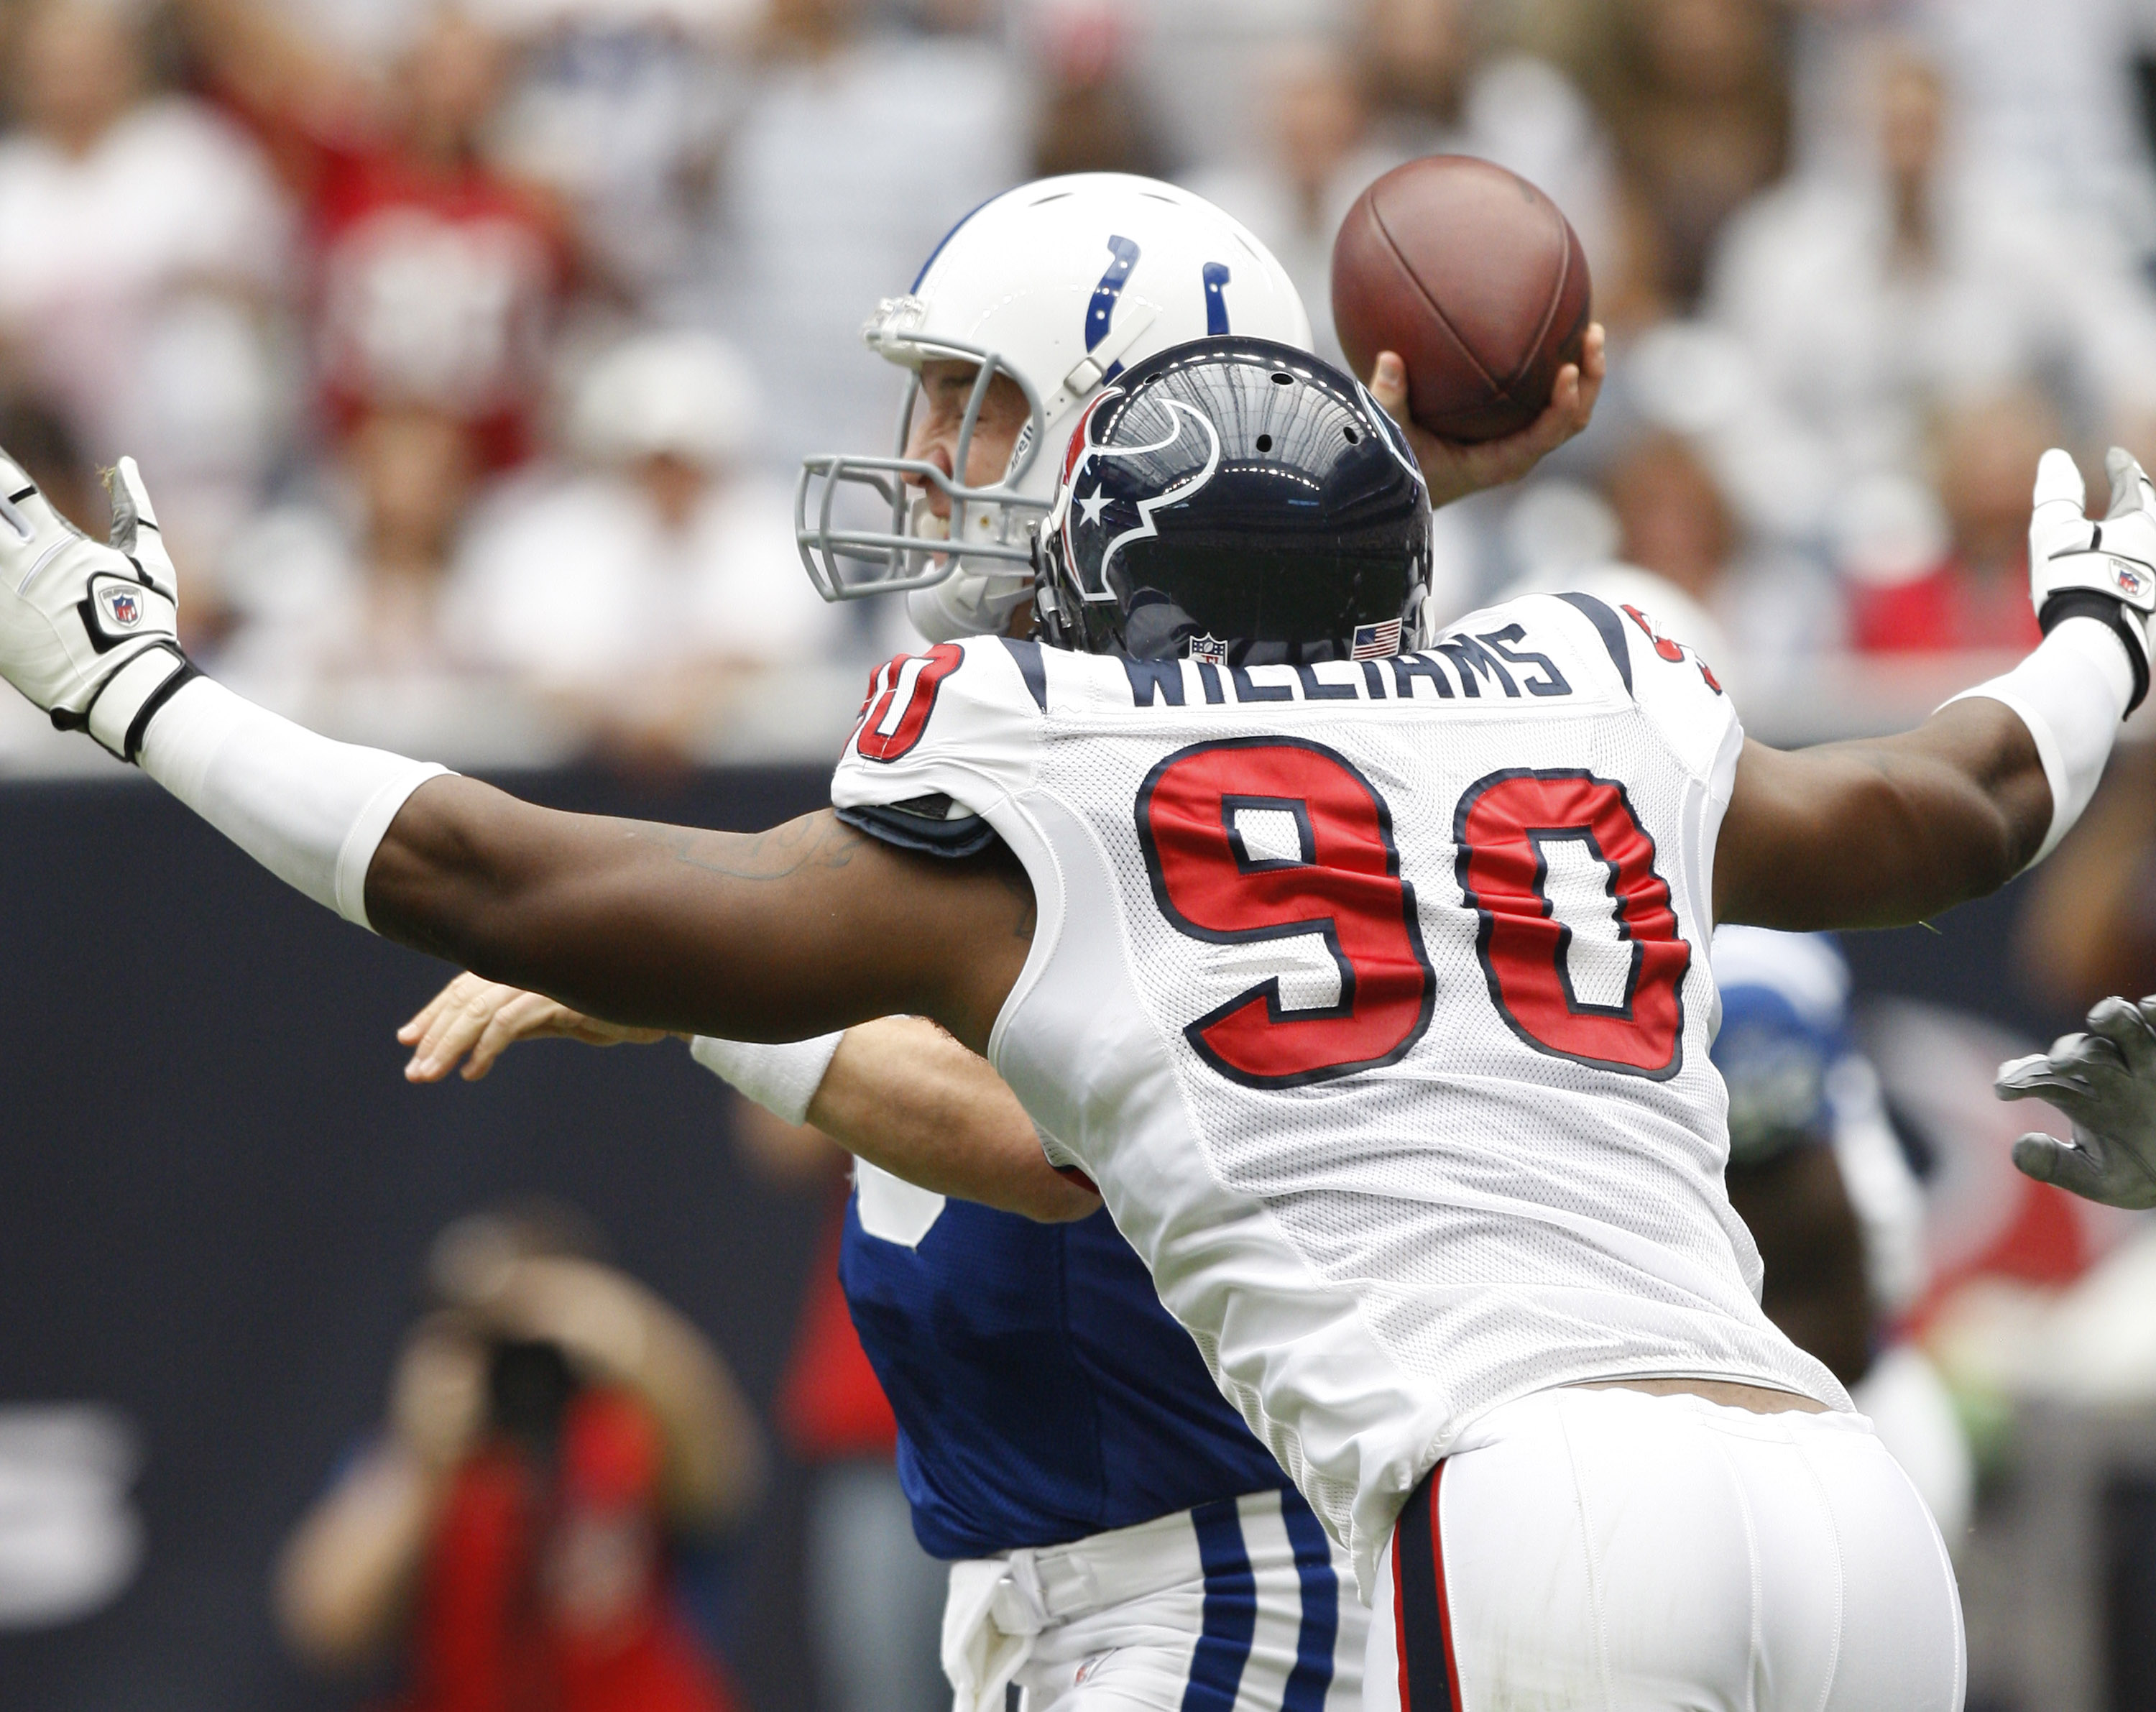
1060 285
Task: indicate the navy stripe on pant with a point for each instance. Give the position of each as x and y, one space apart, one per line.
1230 1618
1311 1680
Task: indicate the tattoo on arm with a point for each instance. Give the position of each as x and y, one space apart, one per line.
818 840
815 840
824 924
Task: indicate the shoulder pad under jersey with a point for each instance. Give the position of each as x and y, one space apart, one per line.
943 738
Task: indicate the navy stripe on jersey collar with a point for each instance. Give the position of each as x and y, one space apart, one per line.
1612 633
1027 653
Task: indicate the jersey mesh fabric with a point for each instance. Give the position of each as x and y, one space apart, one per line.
1491 1218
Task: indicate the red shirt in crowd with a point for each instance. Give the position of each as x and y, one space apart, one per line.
434 284
1946 608
435 287
552 1591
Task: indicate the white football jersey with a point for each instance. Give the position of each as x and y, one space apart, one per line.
1375 997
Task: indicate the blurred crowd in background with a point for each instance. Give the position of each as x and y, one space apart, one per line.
470 351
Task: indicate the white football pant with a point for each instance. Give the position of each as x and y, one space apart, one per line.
1240 1606
1617 1551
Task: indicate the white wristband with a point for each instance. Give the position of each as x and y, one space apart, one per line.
782 1079
309 810
2072 693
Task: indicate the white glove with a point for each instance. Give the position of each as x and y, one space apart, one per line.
86 631
2105 1082
2105 570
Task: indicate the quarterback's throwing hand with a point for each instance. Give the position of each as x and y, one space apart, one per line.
2105 1082
88 632
485 1018
1454 468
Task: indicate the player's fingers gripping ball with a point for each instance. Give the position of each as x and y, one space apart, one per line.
87 630
1475 279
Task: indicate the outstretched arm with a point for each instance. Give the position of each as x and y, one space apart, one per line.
776 936
899 1092
473 1021
903 1095
773 935
1881 833
1890 830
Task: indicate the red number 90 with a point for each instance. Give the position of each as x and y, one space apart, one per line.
1343 883
1504 826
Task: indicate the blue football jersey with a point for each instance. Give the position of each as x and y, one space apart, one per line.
1042 1392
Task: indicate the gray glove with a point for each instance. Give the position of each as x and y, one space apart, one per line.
2105 1082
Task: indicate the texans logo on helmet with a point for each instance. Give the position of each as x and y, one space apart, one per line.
123 608
1081 436
1181 417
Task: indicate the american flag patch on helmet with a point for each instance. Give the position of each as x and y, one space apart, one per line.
1375 641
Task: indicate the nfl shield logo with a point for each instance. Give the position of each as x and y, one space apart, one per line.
1376 641
1210 649
2131 583
123 608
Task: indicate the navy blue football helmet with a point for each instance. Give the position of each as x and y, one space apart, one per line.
1240 501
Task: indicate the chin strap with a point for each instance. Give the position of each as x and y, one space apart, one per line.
1099 365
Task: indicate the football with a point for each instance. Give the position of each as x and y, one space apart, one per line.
1475 279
